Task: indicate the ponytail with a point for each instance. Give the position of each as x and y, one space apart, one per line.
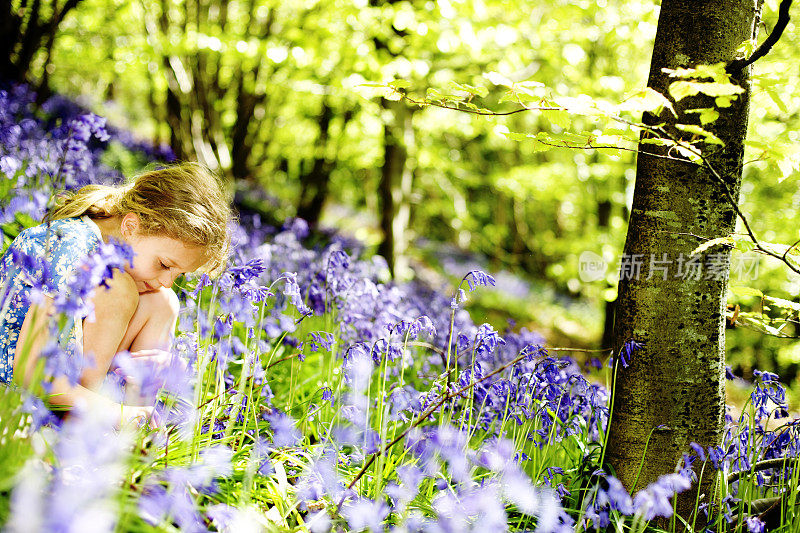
96 201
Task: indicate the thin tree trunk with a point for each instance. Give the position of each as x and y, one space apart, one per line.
673 391
314 183
396 183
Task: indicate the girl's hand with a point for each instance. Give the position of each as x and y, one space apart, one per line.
138 416
145 372
158 357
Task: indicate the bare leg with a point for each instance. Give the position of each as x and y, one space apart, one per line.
153 322
149 333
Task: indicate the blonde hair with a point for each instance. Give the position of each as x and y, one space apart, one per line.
185 202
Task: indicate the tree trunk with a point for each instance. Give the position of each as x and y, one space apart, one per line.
396 183
241 144
674 387
24 30
314 183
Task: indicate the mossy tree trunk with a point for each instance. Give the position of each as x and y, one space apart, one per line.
677 381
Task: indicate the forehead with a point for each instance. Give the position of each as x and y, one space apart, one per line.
173 252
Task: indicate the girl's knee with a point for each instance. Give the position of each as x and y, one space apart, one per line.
162 304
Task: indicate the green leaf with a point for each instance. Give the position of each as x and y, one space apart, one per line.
658 141
724 101
399 84
757 322
780 249
434 94
741 290
648 100
747 47
681 89
470 89
782 303
560 118
393 95
776 97
511 96
743 243
516 136
707 114
787 166
498 79
727 240
528 85
707 136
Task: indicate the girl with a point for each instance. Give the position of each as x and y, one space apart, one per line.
175 221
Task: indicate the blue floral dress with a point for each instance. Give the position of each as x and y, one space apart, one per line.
46 257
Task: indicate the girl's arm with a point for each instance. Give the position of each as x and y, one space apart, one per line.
114 308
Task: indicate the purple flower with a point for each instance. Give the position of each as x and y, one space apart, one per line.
250 271
486 340
628 350
478 278
292 291
298 226
321 339
320 480
754 524
654 500
698 450
284 431
89 467
327 395
364 513
223 516
40 414
202 282
155 370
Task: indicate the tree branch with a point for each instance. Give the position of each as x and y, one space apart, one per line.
763 465
736 66
659 131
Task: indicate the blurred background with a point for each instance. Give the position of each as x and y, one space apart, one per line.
272 95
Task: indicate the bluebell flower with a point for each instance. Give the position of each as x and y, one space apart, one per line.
298 227
629 348
321 339
284 430
320 480
364 513
292 291
154 504
88 456
202 282
223 516
327 395
486 340
479 278
754 524
654 500
40 414
318 522
701 454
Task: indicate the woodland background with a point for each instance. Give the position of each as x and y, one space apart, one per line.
276 96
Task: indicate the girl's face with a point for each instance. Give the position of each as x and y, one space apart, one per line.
158 260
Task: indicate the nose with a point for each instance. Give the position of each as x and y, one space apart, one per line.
166 279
